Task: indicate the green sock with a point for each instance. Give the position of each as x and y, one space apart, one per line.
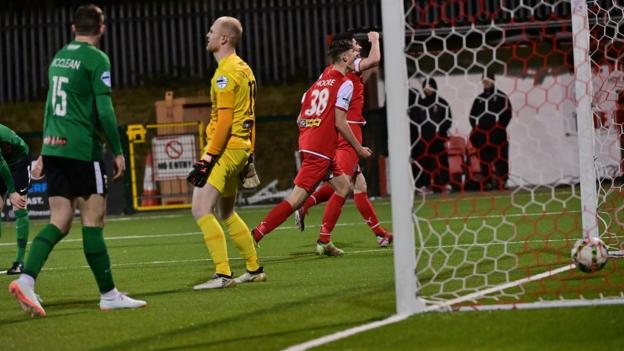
0 224
22 225
97 256
40 249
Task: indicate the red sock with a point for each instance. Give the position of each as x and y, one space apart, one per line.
276 217
318 197
330 217
368 213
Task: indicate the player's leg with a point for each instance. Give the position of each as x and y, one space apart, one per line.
280 213
342 187
238 229
21 177
203 205
92 211
61 214
322 194
241 236
366 209
313 170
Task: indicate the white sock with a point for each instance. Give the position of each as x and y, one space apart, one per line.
110 294
27 280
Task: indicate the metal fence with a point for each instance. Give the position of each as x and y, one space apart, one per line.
154 41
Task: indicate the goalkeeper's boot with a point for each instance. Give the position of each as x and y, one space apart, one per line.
16 268
299 216
218 281
120 301
385 239
328 249
27 298
252 277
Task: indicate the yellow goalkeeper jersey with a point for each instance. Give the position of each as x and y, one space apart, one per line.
234 86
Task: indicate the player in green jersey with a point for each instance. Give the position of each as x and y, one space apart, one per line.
78 106
15 179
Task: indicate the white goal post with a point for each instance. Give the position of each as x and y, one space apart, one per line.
508 247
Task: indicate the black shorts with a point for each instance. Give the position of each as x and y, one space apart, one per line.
71 178
21 178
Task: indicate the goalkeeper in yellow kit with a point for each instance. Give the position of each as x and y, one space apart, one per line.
230 142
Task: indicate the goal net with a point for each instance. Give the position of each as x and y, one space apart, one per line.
515 112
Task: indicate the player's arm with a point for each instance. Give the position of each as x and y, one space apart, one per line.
374 56
101 83
342 106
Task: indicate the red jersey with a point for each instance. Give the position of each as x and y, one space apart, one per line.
357 101
317 124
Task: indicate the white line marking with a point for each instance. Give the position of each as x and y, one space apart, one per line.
149 263
346 333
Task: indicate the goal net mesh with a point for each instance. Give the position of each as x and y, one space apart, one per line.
496 173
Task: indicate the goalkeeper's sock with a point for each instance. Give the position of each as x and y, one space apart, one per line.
40 249
330 217
276 217
214 237
22 225
367 211
318 197
95 251
242 239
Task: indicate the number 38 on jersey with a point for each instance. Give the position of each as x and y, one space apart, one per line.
318 103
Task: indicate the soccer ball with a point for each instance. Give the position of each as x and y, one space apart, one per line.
590 254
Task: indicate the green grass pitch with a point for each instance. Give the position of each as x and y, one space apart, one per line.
159 257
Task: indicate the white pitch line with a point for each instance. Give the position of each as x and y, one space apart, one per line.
346 333
169 262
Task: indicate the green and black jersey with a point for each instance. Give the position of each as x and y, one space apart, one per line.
13 151
79 105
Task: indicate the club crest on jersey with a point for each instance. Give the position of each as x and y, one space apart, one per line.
106 78
222 82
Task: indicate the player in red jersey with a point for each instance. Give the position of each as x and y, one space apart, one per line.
323 115
346 158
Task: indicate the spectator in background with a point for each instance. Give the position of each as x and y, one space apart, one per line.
430 122
489 117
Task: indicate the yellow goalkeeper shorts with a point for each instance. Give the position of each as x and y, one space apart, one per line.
225 174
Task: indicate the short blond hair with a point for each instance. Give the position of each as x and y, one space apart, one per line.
232 28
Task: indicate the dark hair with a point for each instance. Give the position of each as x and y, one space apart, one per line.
88 19
339 47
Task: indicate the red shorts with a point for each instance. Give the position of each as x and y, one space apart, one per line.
346 162
314 169
356 128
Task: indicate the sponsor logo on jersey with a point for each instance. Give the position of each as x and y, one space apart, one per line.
106 78
55 140
73 47
222 82
307 123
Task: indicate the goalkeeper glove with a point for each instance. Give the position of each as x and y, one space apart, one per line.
249 177
200 172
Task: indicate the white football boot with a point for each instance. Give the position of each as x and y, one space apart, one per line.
120 301
252 277
27 298
217 282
